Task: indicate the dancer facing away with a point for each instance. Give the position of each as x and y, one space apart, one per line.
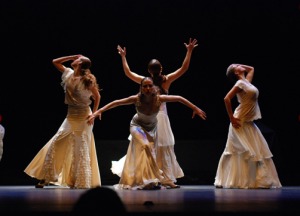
166 158
140 169
247 160
69 157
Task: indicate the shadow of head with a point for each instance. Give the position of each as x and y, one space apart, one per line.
98 200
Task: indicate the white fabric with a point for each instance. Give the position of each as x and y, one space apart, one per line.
69 157
247 160
166 158
165 155
139 165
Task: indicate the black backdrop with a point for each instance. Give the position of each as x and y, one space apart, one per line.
264 34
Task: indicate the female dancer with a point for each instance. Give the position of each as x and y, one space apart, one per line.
69 158
140 169
247 160
166 158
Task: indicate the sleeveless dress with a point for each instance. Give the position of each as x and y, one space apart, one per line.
140 168
165 155
247 160
69 157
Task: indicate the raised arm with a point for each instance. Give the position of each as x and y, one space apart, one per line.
131 75
177 98
249 72
58 62
186 62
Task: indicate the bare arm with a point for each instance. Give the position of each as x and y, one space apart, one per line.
131 75
249 72
96 97
227 100
186 62
58 62
120 102
177 98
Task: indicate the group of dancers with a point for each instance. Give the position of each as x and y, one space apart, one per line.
69 158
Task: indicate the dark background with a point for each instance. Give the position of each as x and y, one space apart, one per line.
264 34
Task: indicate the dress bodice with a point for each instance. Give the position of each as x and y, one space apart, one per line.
148 122
75 92
248 108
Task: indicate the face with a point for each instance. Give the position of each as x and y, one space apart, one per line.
238 69
147 87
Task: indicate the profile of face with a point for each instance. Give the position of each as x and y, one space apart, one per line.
82 61
234 71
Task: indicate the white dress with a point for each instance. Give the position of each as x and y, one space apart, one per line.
247 160
165 155
69 157
140 167
166 158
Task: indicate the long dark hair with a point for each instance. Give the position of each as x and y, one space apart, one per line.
155 68
88 79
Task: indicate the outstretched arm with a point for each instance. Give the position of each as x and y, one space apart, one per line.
131 75
186 62
58 62
177 98
111 105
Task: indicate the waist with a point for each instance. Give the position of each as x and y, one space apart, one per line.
78 112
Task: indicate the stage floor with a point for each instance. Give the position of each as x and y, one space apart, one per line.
189 199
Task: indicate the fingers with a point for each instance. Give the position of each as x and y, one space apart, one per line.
202 115
121 51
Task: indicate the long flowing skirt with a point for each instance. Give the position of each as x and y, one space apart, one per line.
69 157
246 161
166 158
140 168
165 154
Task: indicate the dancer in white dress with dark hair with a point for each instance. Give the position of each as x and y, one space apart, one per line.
247 160
69 158
140 169
166 158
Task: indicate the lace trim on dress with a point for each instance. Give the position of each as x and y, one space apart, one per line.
48 167
81 170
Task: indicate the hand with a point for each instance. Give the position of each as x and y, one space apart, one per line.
235 122
199 112
192 44
91 119
121 51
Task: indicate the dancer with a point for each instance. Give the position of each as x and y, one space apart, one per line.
69 158
247 160
140 169
166 158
